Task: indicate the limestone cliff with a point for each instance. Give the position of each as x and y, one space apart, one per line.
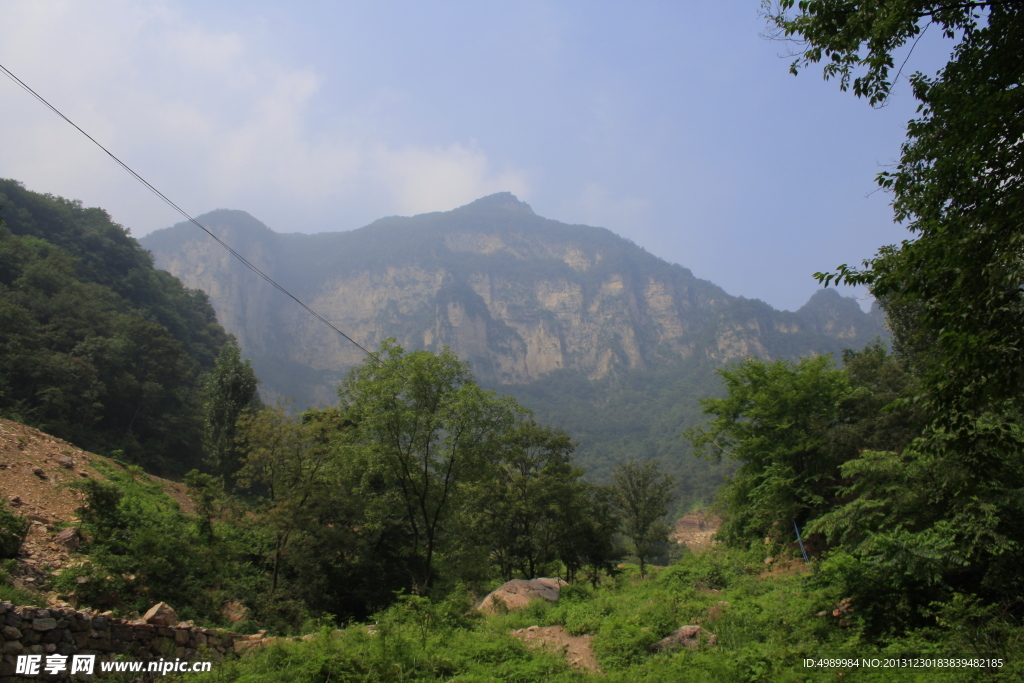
515 294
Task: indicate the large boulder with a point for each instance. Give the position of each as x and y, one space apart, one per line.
161 614
68 538
517 594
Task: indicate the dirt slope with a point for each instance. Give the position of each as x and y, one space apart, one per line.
576 649
696 530
34 470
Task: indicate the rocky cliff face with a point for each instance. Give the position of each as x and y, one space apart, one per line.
515 294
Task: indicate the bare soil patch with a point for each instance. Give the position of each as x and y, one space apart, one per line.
786 566
696 530
576 649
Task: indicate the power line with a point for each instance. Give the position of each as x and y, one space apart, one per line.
177 208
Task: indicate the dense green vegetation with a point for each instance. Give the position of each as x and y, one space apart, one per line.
765 627
800 432
634 416
421 489
793 427
419 482
903 470
941 520
97 346
143 548
331 521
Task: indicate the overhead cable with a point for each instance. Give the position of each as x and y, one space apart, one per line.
188 217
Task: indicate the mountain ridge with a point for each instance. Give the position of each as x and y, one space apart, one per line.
516 294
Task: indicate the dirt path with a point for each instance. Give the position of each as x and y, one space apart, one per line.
576 649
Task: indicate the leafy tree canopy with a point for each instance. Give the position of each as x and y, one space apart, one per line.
229 389
643 494
959 185
944 514
527 508
96 345
430 427
792 426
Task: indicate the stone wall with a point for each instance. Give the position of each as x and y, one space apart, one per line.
32 630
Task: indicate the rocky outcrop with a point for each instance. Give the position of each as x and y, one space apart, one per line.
518 593
68 539
517 295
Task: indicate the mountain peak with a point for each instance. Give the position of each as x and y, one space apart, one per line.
828 298
503 201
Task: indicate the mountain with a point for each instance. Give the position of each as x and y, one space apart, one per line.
517 295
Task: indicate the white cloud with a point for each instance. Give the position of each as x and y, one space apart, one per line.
212 119
596 204
435 179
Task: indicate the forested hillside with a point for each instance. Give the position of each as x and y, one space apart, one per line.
96 345
636 415
599 337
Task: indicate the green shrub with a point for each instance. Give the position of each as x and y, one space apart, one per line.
622 643
9 593
13 529
143 549
660 616
575 592
583 617
409 643
715 569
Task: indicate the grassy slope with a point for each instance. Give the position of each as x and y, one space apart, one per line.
766 625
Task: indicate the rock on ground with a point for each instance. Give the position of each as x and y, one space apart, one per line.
68 538
690 636
161 614
517 593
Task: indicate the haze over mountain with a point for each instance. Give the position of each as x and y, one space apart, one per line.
517 295
596 335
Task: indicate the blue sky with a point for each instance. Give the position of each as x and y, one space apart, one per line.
673 124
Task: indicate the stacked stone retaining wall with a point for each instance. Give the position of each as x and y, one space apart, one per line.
33 630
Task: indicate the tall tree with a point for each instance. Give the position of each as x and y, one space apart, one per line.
957 284
532 501
643 494
230 388
959 185
429 428
775 422
280 458
792 426
588 540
